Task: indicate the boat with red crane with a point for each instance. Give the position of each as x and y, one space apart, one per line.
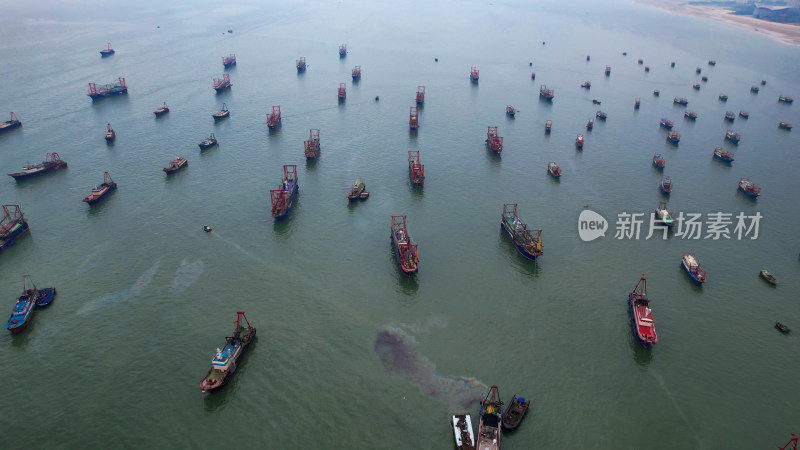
12 226
98 193
223 113
284 197
474 74
10 124
545 93
416 170
341 93
489 425
301 64
229 61
161 111
274 119
420 98
114 88
493 141
220 84
659 161
356 73
643 325
51 162
110 133
108 51
175 165
312 146
413 118
511 111
342 50
227 359
405 252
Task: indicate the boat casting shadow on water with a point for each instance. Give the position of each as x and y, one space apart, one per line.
217 400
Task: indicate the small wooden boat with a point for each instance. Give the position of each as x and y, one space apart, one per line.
666 123
10 124
712 63
208 142
768 277
110 134
689 262
680 101
462 431
579 141
785 99
595 101
666 185
723 97
733 136
515 412
663 215
222 113
22 314
586 85
175 165
754 89
637 103
161 111
673 137
730 116
548 125
553 169
659 161
357 191
691 115
207 229
696 86
227 359
724 155
489 429
744 114
528 242
749 187
590 124
51 162
641 314
511 111
108 51
601 115
100 192
785 125
46 297
656 92
782 328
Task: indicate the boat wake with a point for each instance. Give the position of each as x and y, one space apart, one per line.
122 295
186 274
397 352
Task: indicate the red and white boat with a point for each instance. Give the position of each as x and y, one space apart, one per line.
176 164
642 316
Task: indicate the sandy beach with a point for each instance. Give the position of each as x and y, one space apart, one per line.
783 32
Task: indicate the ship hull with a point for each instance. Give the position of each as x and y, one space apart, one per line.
635 325
9 241
692 276
229 374
108 93
102 197
26 175
517 244
397 258
10 126
289 203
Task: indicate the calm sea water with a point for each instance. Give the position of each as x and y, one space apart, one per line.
350 353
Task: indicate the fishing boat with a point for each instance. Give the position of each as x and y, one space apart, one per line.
100 192
730 116
356 73
533 75
656 92
704 79
637 103
413 118
595 101
114 88
51 163
462 431
749 187
175 165
511 111
474 74
46 297
733 136
689 262
601 115
313 145
712 63
545 93
586 85
672 64
673 137
647 68
10 124
553 169
666 185
590 124
662 215
161 111
227 359
659 161
528 242
744 114
494 142
108 51
548 125
515 412
229 61
301 64
785 99
416 170
588 57
782 328
404 251
754 89
785 125
666 123
608 70
208 142
691 115
723 97
358 191
12 226
768 277
110 134
641 314
763 82
724 155
696 86
22 314
274 119
579 141
342 50
697 70
223 83
222 113
680 101
283 198
640 62
489 429
420 97
341 92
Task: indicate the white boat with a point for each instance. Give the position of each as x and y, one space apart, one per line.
462 430
663 215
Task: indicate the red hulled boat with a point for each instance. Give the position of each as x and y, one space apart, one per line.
176 164
642 316
413 118
416 170
405 252
313 145
274 119
493 141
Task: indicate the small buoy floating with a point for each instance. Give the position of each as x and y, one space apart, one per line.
207 228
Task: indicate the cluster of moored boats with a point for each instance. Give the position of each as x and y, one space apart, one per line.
492 420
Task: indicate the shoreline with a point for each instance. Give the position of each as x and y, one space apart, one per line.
782 32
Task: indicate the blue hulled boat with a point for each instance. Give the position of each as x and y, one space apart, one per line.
22 314
689 262
100 192
12 225
528 242
666 185
46 296
283 198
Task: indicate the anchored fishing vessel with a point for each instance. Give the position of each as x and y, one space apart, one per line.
312 146
100 192
46 297
666 185
785 99
227 359
590 124
548 125
637 103
110 133
342 50
723 97
223 83
601 115
733 136
785 125
641 314
356 73
673 137
608 70
489 430
656 92
586 85
420 98
341 93
274 119
229 61
663 215
222 113
493 141
108 51
724 155
358 191
115 88
696 86
413 118
659 161
754 89
10 124
511 111
545 93
768 277
704 79
730 116
462 431
283 198
533 75
474 74
689 262
697 70
416 170
22 314
579 141
666 123
51 162
515 412
680 101
784 329
301 64
528 242
553 169
208 142
647 68
12 226
691 115
175 165
161 111
404 251
749 187
712 63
